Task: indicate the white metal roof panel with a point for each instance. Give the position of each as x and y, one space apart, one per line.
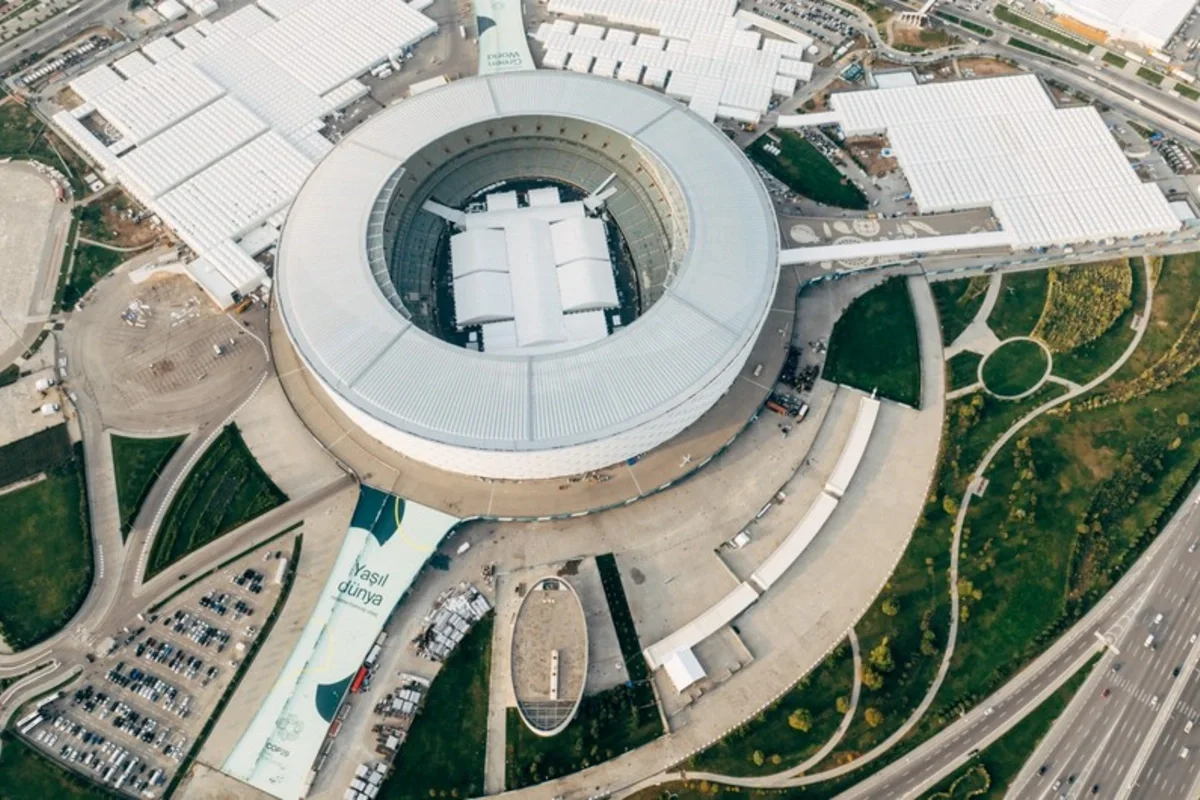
238 192
132 64
686 342
95 82
179 152
157 98
683 669
161 49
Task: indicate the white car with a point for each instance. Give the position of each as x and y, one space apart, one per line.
1154 701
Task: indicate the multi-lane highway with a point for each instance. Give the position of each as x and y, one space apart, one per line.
1089 741
1124 734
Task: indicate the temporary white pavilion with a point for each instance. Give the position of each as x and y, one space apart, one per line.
215 127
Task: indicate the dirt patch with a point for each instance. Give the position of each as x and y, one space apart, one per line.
117 219
918 38
638 576
868 152
985 67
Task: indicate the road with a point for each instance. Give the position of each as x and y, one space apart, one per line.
58 29
1147 705
1121 617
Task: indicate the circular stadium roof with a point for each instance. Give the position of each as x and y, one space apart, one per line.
375 361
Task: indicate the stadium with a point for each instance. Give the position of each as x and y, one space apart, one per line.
528 275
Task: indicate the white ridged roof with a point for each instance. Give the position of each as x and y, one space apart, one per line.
368 353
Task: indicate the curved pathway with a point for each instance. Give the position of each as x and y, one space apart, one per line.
787 779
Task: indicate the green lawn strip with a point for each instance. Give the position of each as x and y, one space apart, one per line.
1022 297
91 222
1029 47
1150 76
974 27
618 608
608 724
957 303
1088 361
45 554
1005 15
1002 760
874 344
9 375
1183 90
806 170
443 755
769 742
36 453
918 591
137 464
285 590
25 774
1014 368
91 264
1116 60
962 370
1175 295
226 489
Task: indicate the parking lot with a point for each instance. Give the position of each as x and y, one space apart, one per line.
147 691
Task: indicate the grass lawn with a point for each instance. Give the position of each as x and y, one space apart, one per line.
777 744
1019 307
1005 15
42 451
137 463
1029 47
874 345
957 303
962 370
225 490
445 749
1186 91
26 775
1175 295
805 170
998 765
918 587
45 555
1116 60
24 136
9 375
1014 368
1150 76
965 23
608 724
91 264
1087 361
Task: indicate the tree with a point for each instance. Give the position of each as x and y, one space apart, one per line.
757 758
873 716
889 607
950 506
800 720
881 657
842 704
872 679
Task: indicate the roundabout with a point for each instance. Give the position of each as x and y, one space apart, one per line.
1015 369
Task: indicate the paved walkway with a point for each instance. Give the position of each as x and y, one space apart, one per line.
978 337
816 605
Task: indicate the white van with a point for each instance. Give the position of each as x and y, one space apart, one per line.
1188 727
1184 752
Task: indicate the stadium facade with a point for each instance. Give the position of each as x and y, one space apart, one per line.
364 289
